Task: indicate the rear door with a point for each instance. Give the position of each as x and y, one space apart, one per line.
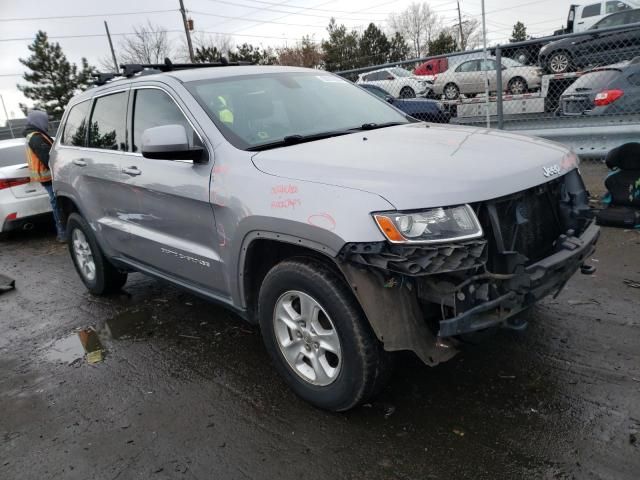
101 182
172 226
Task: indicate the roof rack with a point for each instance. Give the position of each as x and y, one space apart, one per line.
131 69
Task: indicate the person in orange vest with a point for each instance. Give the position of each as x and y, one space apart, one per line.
38 145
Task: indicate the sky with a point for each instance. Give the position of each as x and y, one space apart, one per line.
261 22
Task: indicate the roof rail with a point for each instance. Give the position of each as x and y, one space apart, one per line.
131 69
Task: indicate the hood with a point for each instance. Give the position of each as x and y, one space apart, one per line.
37 119
421 165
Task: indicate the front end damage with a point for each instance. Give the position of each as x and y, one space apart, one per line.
424 297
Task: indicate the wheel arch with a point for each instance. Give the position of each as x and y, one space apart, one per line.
262 250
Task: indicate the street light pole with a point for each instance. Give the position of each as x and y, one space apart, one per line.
7 117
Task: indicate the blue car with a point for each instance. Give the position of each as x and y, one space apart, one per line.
420 108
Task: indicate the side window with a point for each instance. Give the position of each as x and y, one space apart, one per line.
487 66
613 7
612 21
471 66
368 78
108 122
591 10
154 108
75 128
633 16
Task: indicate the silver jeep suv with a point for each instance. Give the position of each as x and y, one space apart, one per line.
344 228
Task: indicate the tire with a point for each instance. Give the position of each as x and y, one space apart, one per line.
359 366
522 55
95 271
407 92
559 62
451 91
517 86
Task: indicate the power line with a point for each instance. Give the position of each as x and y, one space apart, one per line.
301 9
91 35
60 17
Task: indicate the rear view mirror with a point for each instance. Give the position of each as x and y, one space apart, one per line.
169 142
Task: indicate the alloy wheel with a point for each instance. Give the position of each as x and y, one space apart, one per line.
559 62
307 338
83 254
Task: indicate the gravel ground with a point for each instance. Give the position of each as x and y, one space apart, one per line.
186 389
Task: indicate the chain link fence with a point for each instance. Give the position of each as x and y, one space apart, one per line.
579 89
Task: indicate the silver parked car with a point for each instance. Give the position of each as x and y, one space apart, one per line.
468 78
342 227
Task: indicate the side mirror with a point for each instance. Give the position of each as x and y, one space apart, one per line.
169 142
388 99
390 77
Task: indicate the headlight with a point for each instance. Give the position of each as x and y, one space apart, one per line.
435 225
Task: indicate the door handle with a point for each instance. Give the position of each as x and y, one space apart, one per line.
133 171
80 162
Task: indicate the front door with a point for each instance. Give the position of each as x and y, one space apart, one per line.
172 225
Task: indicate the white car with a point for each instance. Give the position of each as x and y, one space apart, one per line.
22 202
397 81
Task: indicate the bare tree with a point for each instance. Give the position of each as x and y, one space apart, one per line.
306 53
418 24
472 32
149 44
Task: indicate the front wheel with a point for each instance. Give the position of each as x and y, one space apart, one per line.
451 91
97 274
407 92
318 337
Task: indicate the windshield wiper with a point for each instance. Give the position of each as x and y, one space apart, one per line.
297 138
373 126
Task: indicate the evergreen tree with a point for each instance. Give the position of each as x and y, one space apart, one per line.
398 49
248 53
206 54
374 46
444 43
52 80
519 33
341 49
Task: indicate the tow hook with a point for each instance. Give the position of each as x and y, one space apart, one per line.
587 269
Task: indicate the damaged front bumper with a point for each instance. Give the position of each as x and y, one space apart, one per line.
523 289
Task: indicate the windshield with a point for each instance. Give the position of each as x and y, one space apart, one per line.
510 62
254 110
401 72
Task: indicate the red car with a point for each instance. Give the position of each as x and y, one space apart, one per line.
432 67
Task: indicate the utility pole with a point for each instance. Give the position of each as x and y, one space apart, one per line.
113 53
460 27
7 117
186 31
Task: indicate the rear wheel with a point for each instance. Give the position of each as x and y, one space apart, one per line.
517 86
97 274
451 91
559 62
318 337
407 92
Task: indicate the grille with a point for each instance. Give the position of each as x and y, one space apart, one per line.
529 220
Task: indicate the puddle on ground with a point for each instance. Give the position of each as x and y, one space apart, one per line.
130 324
81 344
